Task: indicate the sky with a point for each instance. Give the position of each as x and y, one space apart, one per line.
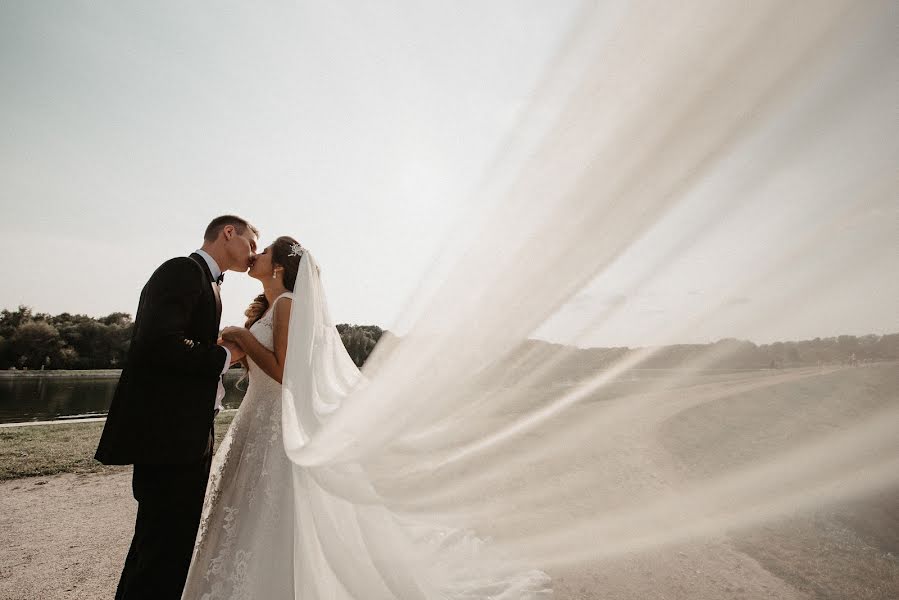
361 129
128 126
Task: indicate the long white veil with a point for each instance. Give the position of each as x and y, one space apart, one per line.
561 454
319 373
349 536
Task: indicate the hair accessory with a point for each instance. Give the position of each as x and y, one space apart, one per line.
296 250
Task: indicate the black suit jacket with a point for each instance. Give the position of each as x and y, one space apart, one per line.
162 410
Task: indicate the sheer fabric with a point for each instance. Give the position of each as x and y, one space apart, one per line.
770 117
758 126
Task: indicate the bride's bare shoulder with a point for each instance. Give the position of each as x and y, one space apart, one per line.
281 309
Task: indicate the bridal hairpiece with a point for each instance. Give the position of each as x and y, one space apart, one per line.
296 250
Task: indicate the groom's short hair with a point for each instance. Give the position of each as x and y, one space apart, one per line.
217 224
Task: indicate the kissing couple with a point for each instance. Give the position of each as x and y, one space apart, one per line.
248 522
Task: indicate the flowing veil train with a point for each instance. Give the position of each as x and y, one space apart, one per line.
665 133
345 531
660 138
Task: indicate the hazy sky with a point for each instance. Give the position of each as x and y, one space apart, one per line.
359 128
356 127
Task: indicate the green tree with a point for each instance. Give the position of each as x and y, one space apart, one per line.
117 319
359 340
34 342
10 320
98 343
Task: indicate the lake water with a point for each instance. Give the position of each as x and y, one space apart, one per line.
46 398
38 397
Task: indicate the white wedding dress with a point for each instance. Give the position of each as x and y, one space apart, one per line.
245 543
272 529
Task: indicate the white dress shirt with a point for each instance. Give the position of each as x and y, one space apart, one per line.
216 271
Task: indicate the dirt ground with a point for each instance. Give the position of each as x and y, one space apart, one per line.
66 536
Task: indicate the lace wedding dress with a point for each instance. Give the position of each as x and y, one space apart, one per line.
245 543
273 529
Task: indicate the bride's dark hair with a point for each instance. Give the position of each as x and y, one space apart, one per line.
281 257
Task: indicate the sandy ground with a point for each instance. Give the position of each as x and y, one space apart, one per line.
66 536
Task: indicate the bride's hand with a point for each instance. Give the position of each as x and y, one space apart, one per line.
234 334
237 353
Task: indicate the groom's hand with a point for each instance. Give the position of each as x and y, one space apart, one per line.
237 353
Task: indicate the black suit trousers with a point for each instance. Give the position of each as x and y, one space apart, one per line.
169 505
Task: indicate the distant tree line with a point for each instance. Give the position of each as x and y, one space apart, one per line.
740 354
65 341
30 340
724 354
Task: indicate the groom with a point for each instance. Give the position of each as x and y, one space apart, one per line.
162 413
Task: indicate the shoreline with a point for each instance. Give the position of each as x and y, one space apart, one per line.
72 373
57 422
65 420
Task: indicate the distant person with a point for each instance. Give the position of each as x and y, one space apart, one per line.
161 416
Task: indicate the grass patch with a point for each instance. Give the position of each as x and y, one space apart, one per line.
34 450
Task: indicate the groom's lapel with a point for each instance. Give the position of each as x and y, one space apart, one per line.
216 291
214 288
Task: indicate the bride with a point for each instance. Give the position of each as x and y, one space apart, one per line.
272 529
